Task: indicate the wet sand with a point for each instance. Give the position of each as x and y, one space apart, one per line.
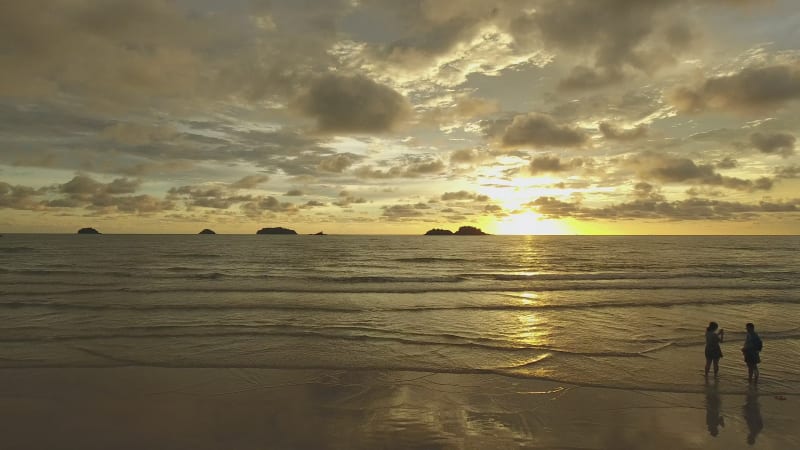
138 408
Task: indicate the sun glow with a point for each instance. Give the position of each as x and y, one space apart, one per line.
530 222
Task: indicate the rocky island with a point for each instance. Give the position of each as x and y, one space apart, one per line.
462 231
88 231
276 230
207 231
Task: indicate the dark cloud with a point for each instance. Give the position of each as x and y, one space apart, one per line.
671 169
19 197
788 172
552 164
249 182
752 89
83 185
727 163
405 211
464 195
408 170
466 155
615 133
217 197
353 104
553 207
294 193
582 77
616 34
257 208
539 130
774 143
657 208
346 199
338 163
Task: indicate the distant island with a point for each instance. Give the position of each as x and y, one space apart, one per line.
462 231
276 230
319 234
207 231
88 231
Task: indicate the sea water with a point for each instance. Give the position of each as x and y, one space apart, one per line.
614 311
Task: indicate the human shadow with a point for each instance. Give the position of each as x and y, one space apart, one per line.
752 415
714 418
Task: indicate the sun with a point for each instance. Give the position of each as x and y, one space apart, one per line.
530 222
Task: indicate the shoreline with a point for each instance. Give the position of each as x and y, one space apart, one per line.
139 407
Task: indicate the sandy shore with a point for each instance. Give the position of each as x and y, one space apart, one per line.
145 408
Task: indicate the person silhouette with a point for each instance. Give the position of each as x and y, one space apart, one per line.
713 349
751 350
714 418
752 415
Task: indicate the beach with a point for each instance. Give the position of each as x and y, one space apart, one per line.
134 408
364 342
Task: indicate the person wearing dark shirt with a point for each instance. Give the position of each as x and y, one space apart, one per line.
751 350
713 349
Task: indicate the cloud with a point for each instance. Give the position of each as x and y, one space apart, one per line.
539 130
616 35
407 170
774 143
249 182
657 208
269 204
727 163
139 134
582 77
352 104
552 164
405 211
346 199
338 163
19 197
468 156
671 169
464 195
788 172
217 197
83 185
460 109
753 89
615 133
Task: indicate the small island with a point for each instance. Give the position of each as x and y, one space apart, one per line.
276 230
438 232
88 231
462 231
207 231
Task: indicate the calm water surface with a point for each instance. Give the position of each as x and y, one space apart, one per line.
625 312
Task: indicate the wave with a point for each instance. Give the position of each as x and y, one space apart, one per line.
612 276
388 279
178 332
430 260
16 249
267 285
408 309
107 361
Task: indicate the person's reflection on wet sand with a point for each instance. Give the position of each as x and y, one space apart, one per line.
714 418
752 415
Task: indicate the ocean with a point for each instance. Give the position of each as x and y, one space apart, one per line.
625 312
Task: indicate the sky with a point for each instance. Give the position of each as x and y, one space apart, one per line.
395 117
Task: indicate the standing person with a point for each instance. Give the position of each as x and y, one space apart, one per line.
713 349
752 348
